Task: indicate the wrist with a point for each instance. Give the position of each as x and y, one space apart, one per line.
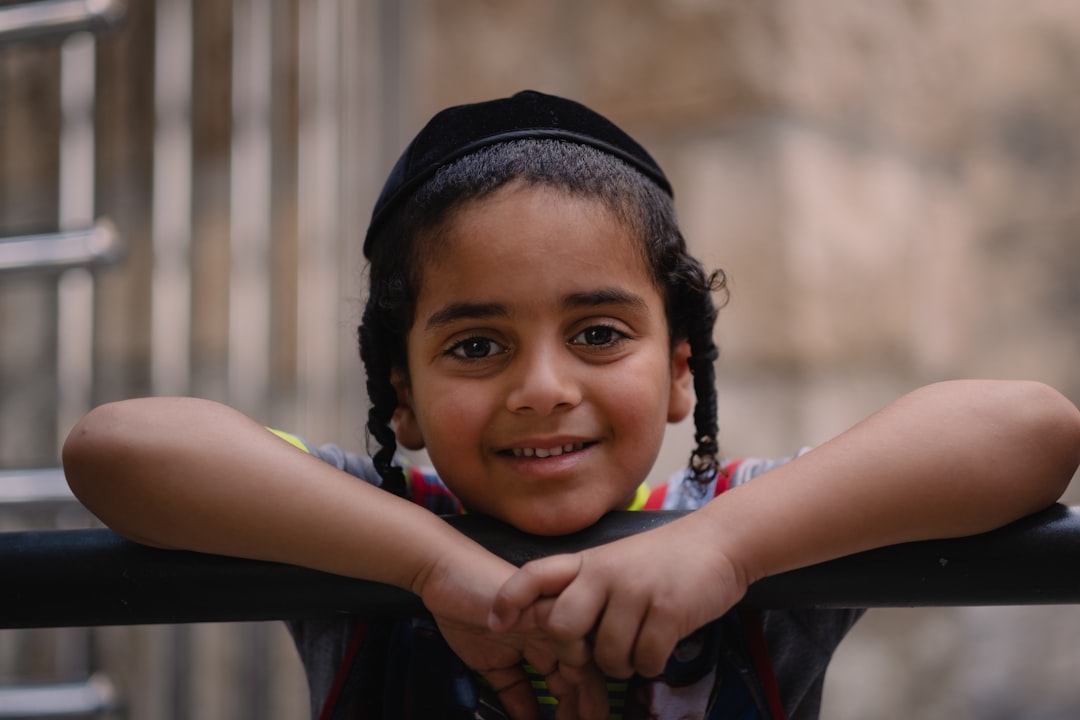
458 561
732 542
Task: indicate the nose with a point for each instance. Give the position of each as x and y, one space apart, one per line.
544 381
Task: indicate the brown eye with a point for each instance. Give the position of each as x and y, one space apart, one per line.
476 348
598 336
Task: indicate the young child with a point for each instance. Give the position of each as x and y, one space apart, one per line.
534 320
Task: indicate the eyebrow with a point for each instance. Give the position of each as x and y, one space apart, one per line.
465 311
604 296
480 311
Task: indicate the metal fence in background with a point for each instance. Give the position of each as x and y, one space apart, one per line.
175 219
211 137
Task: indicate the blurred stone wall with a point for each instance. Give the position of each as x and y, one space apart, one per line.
891 188
893 191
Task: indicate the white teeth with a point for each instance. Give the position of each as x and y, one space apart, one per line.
546 452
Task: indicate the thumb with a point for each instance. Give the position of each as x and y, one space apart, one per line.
546 577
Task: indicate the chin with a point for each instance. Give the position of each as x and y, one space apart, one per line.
554 523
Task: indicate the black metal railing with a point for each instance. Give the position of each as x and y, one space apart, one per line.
117 582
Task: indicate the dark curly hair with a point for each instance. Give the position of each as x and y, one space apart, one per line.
403 237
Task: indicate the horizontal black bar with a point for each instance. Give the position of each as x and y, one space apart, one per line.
94 577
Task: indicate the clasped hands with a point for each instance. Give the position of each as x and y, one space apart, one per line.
611 611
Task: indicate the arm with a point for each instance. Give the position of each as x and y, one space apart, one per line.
948 460
193 474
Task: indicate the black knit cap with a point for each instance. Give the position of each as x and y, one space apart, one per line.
458 131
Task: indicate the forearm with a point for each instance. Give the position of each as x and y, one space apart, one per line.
191 474
948 460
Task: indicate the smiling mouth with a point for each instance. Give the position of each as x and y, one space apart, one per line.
546 452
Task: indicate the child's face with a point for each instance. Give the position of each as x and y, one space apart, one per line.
541 374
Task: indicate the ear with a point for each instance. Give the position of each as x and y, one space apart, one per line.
681 397
404 419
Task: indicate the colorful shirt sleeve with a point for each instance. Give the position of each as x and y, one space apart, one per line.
682 492
425 488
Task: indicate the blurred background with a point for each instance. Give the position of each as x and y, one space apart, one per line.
892 188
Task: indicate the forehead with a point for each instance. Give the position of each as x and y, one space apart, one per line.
521 231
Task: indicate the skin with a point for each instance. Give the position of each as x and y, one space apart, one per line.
526 368
948 460
538 330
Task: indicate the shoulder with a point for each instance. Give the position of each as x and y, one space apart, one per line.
746 469
356 465
428 490
425 487
681 492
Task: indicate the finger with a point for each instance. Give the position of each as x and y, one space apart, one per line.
575 612
515 692
540 656
590 691
574 650
527 622
546 577
567 708
576 699
655 642
617 636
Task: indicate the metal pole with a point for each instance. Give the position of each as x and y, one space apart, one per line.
121 583
50 19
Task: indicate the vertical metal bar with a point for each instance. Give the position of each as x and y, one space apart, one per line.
77 75
394 92
319 293
170 325
249 278
170 320
75 302
256 669
360 114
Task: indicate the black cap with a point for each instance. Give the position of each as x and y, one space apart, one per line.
463 129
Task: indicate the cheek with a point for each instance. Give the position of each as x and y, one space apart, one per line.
643 414
452 414
644 392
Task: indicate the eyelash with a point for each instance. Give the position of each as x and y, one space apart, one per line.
458 349
616 337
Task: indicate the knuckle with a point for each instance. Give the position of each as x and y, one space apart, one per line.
613 663
561 628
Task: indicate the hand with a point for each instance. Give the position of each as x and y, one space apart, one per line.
626 604
459 593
